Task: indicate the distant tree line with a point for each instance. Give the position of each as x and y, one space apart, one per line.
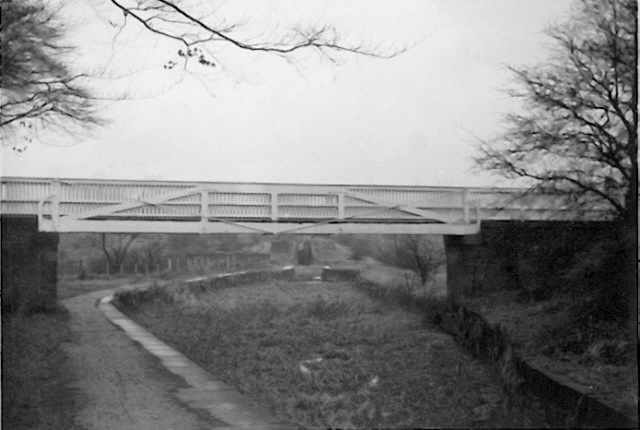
422 254
112 253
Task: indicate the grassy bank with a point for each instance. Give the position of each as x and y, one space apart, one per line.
326 355
37 381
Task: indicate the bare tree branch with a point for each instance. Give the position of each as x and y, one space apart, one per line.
38 89
172 20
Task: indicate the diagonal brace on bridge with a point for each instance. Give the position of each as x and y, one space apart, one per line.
178 207
118 206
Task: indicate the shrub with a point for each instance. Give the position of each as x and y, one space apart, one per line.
419 254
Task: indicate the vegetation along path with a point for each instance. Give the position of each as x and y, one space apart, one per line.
125 386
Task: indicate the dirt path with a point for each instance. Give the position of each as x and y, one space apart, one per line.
123 386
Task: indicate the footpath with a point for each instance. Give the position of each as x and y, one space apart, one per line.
131 380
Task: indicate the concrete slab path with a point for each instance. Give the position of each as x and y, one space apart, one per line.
132 380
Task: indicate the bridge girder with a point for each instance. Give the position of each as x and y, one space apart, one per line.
79 205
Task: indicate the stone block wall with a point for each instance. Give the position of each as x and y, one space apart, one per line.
29 265
527 256
520 379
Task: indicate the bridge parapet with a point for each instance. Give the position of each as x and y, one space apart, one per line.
77 205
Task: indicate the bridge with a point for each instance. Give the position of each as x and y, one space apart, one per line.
489 233
116 206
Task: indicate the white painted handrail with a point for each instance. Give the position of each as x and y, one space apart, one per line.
148 206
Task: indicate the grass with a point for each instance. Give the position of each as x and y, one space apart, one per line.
326 355
37 381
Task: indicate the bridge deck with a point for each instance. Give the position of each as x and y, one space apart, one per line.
78 205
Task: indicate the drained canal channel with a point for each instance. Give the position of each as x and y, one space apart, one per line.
333 355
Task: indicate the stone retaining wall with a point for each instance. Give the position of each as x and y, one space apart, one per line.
210 283
490 343
29 270
337 275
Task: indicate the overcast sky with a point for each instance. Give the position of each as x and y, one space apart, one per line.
411 120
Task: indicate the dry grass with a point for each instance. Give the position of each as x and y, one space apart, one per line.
326 355
37 391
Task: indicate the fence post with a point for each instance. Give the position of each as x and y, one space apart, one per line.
146 269
169 264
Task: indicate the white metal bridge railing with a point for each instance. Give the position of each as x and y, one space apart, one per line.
77 205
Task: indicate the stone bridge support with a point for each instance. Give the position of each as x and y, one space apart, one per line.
29 264
527 256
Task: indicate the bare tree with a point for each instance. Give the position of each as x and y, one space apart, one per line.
153 251
38 88
578 137
578 133
413 252
115 247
